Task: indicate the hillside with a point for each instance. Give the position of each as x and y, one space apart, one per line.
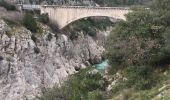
95 58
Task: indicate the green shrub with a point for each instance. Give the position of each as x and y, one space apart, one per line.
7 6
74 36
1 58
91 32
120 2
30 23
36 50
44 18
49 37
54 27
11 23
142 39
97 95
81 86
88 26
162 57
141 77
138 78
34 38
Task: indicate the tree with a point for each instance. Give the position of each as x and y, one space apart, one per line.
7 6
144 38
44 18
30 23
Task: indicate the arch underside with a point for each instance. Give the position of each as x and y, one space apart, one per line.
74 20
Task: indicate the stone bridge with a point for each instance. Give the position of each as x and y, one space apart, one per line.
64 15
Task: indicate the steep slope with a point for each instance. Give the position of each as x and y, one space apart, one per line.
27 67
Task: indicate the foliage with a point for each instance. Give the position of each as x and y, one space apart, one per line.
141 77
1 58
160 5
44 18
81 86
87 26
11 23
120 2
139 44
49 37
141 40
34 38
36 50
54 27
100 2
7 6
162 81
30 23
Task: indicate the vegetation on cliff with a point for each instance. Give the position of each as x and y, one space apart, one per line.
30 23
88 84
121 2
138 48
7 6
88 26
143 39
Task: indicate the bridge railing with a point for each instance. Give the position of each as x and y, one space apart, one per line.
30 7
85 7
38 7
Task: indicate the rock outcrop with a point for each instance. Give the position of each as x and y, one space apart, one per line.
28 67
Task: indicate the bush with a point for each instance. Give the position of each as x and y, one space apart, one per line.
141 40
138 78
49 37
74 36
44 18
141 77
88 26
36 50
81 86
34 38
7 6
11 23
54 27
30 23
162 57
97 95
120 2
1 58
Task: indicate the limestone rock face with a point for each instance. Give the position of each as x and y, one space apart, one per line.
26 67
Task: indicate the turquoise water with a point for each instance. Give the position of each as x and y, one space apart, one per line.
102 66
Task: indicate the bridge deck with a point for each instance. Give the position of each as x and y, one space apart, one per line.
38 7
87 7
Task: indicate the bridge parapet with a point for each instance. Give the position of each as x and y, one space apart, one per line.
29 7
85 7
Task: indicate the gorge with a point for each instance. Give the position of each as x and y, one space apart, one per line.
84 56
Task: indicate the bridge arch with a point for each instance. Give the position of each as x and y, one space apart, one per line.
80 18
72 21
64 15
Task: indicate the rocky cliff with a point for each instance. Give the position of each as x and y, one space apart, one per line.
28 67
